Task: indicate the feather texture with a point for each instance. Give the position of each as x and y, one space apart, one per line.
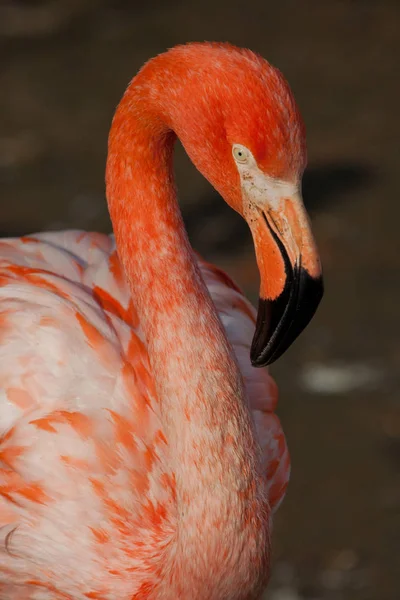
87 491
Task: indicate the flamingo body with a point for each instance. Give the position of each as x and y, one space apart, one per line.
86 495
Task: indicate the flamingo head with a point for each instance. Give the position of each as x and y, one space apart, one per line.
239 123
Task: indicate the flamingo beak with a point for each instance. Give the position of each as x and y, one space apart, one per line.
291 278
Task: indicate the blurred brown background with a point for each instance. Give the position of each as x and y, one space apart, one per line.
64 65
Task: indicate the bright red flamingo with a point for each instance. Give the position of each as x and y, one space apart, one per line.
140 456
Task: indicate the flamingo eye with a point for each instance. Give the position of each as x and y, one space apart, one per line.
240 153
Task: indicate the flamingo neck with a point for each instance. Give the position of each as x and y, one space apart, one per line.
205 416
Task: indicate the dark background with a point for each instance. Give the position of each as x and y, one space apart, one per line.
63 67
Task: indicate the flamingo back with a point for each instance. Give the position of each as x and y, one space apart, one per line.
86 484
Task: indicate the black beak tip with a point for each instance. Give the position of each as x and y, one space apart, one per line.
280 321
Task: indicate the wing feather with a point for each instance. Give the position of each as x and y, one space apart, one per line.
77 400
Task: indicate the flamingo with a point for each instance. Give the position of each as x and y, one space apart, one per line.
140 456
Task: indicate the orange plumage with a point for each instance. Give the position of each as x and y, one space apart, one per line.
140 456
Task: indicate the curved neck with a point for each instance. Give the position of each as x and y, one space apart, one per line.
205 415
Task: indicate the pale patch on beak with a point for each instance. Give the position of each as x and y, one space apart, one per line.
290 271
